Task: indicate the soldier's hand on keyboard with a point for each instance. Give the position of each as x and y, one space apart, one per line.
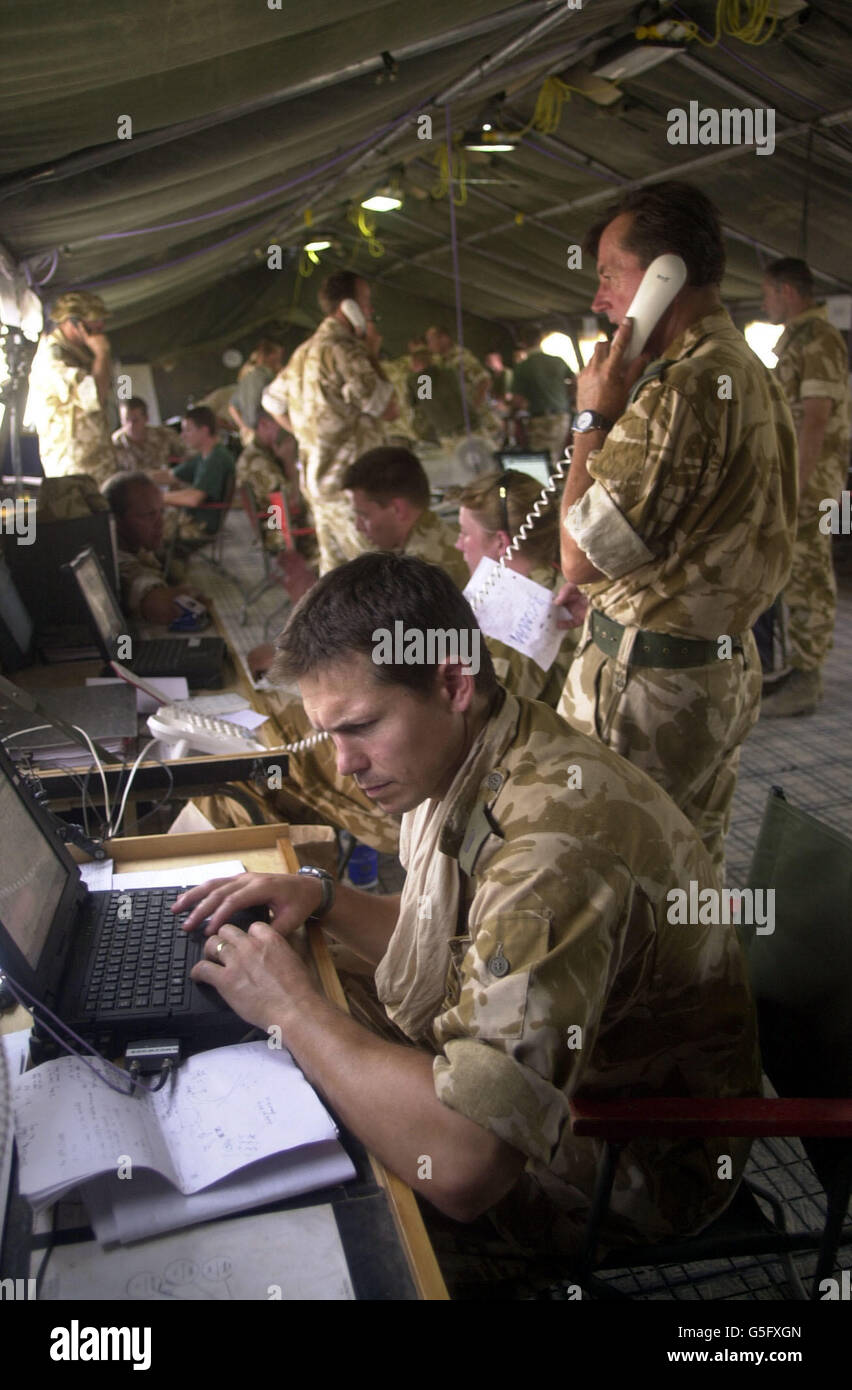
290 899
258 974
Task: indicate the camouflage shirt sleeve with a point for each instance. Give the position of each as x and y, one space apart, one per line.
139 574
649 468
363 386
510 1040
823 368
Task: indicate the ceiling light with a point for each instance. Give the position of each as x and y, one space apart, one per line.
630 58
487 140
385 199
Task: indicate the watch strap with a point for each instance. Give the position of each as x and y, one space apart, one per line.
595 421
328 890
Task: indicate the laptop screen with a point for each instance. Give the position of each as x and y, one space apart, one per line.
536 465
105 612
32 876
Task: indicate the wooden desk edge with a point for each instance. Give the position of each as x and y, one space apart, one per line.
406 1214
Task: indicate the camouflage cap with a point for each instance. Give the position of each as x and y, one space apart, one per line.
78 304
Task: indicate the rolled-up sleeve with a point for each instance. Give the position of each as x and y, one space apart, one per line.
651 465
529 995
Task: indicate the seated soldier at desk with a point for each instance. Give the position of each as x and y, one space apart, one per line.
137 505
529 957
390 497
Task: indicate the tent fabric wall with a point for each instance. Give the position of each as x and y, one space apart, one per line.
206 203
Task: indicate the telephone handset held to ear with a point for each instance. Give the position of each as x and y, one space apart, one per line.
664 278
352 310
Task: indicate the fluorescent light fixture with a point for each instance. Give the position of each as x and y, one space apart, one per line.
383 200
486 140
317 245
761 338
634 59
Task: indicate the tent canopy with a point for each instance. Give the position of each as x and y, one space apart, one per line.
156 152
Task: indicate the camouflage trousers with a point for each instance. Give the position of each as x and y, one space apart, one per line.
683 727
338 539
811 595
548 433
312 792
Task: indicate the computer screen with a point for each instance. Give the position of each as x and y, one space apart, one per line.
536 465
32 876
105 612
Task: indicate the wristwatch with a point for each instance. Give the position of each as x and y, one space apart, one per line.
328 891
588 420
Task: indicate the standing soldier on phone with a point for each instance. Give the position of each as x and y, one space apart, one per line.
679 515
333 395
70 388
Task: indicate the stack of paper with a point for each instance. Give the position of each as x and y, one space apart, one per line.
240 1127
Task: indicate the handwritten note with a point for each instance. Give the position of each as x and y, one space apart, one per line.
229 1107
516 611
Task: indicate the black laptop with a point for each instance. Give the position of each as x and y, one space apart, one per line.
112 965
199 659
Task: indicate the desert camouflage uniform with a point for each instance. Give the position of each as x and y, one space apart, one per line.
159 449
484 420
813 361
402 430
691 517
523 676
264 474
73 434
433 540
138 573
335 396
313 792
562 924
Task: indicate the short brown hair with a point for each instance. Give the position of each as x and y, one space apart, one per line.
340 285
482 499
203 418
669 216
389 472
790 270
342 612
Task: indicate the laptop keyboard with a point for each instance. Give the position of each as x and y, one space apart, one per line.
141 963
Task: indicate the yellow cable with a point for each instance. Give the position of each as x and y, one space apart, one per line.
458 173
749 28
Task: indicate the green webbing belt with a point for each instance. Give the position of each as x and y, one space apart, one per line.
656 648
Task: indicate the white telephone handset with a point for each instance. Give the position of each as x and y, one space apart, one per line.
663 279
352 310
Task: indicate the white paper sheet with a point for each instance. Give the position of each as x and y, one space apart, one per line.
147 1206
294 1255
98 875
516 611
178 878
228 1107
